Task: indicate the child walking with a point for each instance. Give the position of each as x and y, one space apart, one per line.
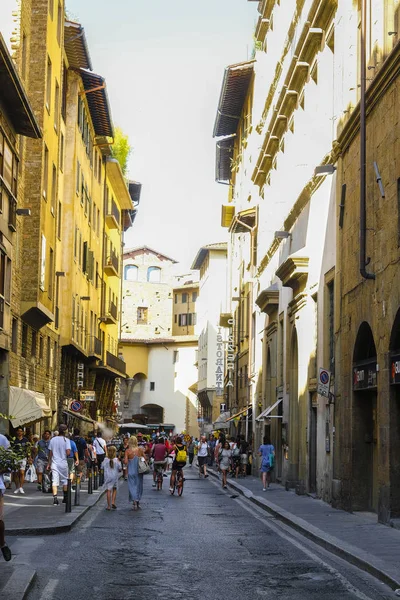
112 468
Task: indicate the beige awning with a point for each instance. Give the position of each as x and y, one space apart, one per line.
267 412
26 406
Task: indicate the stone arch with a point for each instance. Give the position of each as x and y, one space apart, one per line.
154 413
364 347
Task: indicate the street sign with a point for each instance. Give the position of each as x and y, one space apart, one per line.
324 382
76 406
87 396
222 407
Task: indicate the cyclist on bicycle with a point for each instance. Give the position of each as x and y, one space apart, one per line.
179 460
160 454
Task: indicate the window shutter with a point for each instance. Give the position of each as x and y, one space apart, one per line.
85 258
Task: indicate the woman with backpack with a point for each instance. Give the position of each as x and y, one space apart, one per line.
267 452
179 462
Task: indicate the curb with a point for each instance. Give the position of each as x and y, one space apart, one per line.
19 583
351 554
53 529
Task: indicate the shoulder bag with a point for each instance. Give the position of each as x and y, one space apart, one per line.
143 466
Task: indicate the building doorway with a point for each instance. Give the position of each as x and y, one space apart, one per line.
364 424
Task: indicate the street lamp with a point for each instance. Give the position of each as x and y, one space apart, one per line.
322 170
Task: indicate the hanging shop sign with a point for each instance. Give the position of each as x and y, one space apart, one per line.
87 396
80 375
324 382
395 369
219 371
364 376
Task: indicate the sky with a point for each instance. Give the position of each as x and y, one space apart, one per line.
164 61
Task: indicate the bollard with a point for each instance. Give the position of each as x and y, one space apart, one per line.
77 491
90 481
68 504
96 479
101 478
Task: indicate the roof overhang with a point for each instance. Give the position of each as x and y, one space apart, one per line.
244 221
97 99
227 214
76 47
223 159
135 189
235 87
118 182
14 98
204 251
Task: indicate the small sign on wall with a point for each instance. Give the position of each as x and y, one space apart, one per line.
324 382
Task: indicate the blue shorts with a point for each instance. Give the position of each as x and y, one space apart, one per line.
266 469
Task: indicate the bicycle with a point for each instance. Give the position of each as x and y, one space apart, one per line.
178 485
159 477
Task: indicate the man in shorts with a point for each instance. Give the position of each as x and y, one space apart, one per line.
59 451
5 550
42 454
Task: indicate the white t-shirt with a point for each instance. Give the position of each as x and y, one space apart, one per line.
59 446
202 449
99 445
5 444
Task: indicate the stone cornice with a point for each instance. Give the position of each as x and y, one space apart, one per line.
293 272
268 300
296 305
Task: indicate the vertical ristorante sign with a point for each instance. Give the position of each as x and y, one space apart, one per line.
219 372
230 354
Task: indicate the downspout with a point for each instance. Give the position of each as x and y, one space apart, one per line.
364 261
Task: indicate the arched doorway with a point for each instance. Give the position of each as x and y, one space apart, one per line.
293 475
154 413
394 411
364 425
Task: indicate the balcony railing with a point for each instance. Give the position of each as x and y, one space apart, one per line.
115 363
112 265
113 310
113 216
95 346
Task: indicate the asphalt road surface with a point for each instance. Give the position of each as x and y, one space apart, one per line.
204 545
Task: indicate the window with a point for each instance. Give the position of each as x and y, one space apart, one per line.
48 84
7 279
59 220
183 320
141 315
53 191
176 298
45 172
152 386
14 335
184 298
49 353
330 288
98 222
51 277
131 273
59 23
34 344
56 104
76 243
176 356
61 152
64 93
41 349
43 264
194 296
154 274
78 176
24 347
176 318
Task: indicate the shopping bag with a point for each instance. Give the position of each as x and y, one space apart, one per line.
46 484
30 474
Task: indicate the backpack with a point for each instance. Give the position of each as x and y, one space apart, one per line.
181 455
236 452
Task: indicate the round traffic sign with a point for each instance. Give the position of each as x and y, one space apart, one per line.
76 406
324 377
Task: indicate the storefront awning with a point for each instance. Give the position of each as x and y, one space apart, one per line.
27 406
221 421
78 416
240 413
267 412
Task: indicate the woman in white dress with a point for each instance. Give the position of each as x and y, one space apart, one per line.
112 468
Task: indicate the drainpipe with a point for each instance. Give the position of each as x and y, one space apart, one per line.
364 261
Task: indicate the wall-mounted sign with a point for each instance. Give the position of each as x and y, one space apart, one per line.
80 375
395 368
76 406
230 354
219 363
222 407
87 396
364 376
324 382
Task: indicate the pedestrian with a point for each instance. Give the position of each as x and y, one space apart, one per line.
81 446
73 462
112 468
59 451
121 455
135 479
5 550
160 456
101 449
21 446
211 444
267 452
203 452
91 454
244 456
42 456
236 457
218 447
225 461
191 452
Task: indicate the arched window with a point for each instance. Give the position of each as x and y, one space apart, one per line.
131 273
154 274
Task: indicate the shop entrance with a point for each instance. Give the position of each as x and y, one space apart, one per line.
394 408
364 425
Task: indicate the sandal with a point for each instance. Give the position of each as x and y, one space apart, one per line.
108 508
113 506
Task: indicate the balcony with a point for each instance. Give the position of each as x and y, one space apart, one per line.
115 363
95 347
111 267
113 216
111 317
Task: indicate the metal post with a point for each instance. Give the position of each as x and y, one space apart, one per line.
68 507
96 479
77 491
101 477
90 480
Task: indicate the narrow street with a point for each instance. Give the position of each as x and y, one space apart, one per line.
206 544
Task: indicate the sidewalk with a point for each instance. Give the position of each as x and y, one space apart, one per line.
35 514
357 538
